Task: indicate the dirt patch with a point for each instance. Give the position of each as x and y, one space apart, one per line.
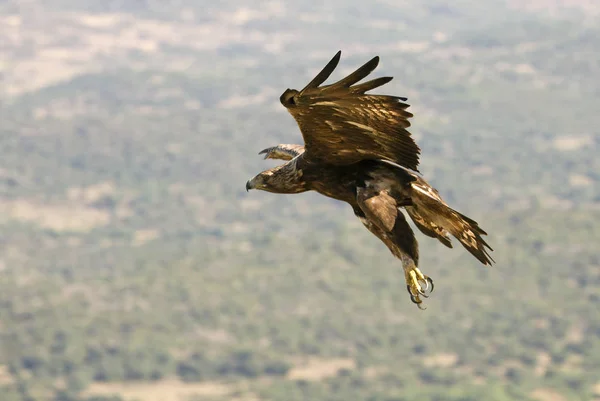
576 333
164 390
314 369
580 180
570 143
92 193
543 362
219 336
596 390
140 237
546 394
373 371
441 360
5 376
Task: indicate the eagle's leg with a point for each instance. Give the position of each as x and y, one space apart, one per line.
417 284
375 212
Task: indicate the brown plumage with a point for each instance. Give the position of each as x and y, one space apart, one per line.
342 125
357 150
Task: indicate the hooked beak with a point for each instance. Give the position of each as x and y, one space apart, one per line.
248 186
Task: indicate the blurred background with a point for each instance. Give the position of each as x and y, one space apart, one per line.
134 265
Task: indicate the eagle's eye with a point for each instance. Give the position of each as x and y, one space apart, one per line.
287 99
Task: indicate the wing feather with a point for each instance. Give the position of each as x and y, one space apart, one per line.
356 76
372 84
324 74
282 152
342 125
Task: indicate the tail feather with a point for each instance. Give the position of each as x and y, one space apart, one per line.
428 228
468 232
436 219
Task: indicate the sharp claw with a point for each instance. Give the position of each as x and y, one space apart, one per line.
414 299
430 281
421 290
418 302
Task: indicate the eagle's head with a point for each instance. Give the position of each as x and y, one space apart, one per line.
284 179
268 181
256 182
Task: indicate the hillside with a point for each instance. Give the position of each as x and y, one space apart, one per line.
134 265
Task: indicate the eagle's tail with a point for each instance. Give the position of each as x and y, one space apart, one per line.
435 218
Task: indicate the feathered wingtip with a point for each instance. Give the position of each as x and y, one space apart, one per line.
357 75
347 82
369 85
324 74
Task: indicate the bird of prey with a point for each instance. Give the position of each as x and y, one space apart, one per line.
357 149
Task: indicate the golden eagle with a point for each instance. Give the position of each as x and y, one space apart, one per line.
358 150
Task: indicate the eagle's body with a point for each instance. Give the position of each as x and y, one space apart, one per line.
357 150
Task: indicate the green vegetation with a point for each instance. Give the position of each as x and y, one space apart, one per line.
134 265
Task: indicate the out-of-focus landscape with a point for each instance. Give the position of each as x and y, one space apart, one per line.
134 265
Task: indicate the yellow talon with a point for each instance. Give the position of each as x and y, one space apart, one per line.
417 284
414 277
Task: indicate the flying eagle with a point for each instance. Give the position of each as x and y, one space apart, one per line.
357 149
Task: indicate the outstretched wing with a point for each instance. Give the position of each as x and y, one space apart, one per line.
282 152
341 124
